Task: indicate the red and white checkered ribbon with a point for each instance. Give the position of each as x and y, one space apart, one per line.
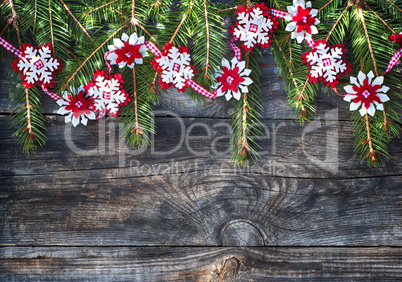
311 43
198 88
52 95
109 67
152 47
277 13
101 114
236 50
394 60
10 47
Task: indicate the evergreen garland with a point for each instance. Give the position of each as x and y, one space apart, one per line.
80 31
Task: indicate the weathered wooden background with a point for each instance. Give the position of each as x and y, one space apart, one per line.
85 207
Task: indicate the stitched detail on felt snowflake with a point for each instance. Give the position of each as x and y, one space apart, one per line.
77 104
254 26
108 93
366 93
326 63
302 20
37 65
127 51
174 67
232 80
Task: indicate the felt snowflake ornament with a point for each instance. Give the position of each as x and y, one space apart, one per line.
326 63
174 67
302 20
396 38
107 92
232 80
254 26
366 93
37 65
78 105
127 51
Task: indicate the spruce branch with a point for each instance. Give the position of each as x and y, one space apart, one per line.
92 54
208 40
75 19
371 153
36 11
182 21
51 26
100 7
359 10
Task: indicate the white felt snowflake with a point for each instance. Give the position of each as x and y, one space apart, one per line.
326 63
77 105
366 93
302 20
37 65
127 51
232 80
108 93
253 27
174 66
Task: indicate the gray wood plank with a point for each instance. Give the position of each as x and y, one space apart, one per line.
200 264
98 207
321 150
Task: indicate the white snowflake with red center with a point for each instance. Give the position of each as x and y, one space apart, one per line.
37 65
232 80
174 66
128 51
78 105
254 26
326 63
108 93
302 20
366 93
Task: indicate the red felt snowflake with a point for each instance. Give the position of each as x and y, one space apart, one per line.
174 67
107 92
396 38
254 26
326 63
37 65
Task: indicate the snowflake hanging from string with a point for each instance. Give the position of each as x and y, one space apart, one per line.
254 26
366 93
174 67
37 65
107 92
302 20
326 63
78 105
232 80
127 51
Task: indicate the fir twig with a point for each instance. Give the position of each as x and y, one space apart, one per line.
75 19
100 7
207 33
92 54
182 21
51 26
337 21
360 12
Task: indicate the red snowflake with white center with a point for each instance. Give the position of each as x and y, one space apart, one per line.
128 51
37 65
174 67
326 63
78 105
302 20
254 26
366 93
107 92
232 79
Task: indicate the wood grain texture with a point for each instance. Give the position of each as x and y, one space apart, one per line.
200 264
